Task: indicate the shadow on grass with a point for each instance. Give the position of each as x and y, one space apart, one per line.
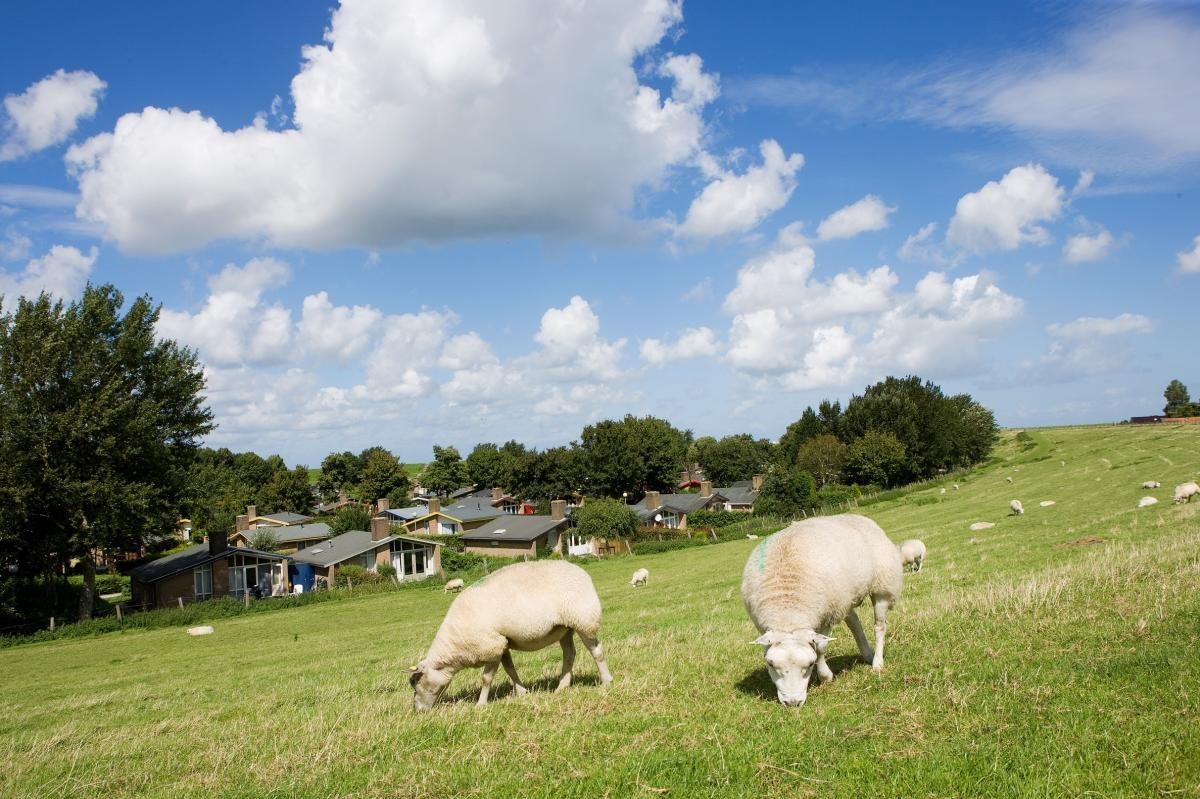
469 690
758 682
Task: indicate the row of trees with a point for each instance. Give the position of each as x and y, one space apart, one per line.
373 473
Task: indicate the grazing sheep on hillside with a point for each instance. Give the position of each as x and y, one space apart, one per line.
1146 502
639 577
912 553
1016 507
1185 492
956 486
943 491
1151 484
453 585
1009 479
808 577
525 606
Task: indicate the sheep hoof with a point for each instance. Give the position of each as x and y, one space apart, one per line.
520 690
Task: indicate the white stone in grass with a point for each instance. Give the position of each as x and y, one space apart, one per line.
1045 503
1146 502
204 630
983 525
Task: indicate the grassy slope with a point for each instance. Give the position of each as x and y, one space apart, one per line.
1018 665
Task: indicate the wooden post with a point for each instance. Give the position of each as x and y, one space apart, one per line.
181 603
628 546
118 614
246 599
349 584
485 569
51 624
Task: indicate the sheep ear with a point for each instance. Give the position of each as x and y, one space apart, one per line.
767 638
820 642
413 669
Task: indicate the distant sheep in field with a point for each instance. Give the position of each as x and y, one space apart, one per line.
943 491
808 577
453 585
751 536
1009 479
912 553
1146 502
1185 492
1151 484
1016 507
639 577
525 606
956 486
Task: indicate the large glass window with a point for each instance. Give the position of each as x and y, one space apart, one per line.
202 581
259 576
411 558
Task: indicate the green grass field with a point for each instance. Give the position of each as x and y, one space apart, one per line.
1053 655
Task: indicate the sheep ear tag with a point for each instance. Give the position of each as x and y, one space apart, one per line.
820 642
766 639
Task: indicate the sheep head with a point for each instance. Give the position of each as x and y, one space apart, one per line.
791 658
428 684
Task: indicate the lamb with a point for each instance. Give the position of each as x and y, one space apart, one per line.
1016 507
1151 484
525 606
1185 492
1146 502
912 553
639 577
804 579
956 486
453 585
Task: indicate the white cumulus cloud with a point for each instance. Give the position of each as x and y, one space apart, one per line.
494 119
1084 249
338 331
694 342
1005 214
737 203
1189 260
48 112
869 213
62 273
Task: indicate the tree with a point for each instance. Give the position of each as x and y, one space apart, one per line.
485 466
823 457
99 423
605 518
287 490
786 492
733 458
350 518
339 472
1179 403
380 474
446 473
825 420
264 539
634 454
876 458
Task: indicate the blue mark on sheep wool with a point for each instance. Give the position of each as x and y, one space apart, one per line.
759 555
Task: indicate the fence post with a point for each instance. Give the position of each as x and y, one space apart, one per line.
181 603
485 569
349 584
51 624
118 614
246 599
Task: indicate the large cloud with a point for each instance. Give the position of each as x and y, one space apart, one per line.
1005 214
62 273
48 112
418 119
734 203
869 213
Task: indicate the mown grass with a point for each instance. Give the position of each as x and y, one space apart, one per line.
1053 655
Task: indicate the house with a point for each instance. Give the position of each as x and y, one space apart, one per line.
413 558
343 501
671 510
454 519
208 570
512 536
283 519
290 538
741 495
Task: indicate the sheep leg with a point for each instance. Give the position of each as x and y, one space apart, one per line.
510 669
593 646
919 564
823 670
568 648
855 626
489 671
881 609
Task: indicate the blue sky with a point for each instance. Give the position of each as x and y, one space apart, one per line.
407 223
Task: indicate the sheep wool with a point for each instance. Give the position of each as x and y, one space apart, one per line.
1016 507
912 553
639 577
453 585
525 606
808 577
1185 492
1146 502
1151 484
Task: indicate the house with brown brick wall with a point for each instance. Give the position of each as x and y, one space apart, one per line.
513 536
207 571
292 531
671 510
412 558
455 519
741 495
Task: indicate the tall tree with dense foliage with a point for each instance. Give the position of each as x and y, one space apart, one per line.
876 458
733 458
446 473
786 492
288 490
1179 402
823 457
339 472
381 474
99 423
350 518
826 419
633 455
605 518
485 466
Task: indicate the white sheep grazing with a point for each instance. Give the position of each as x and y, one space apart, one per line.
1009 479
640 577
943 491
1146 502
912 553
1151 484
751 537
525 606
808 577
1016 507
956 486
1185 492
453 585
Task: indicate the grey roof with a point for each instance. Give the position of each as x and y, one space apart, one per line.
349 544
514 528
190 558
472 511
677 503
740 493
462 492
287 518
407 514
294 532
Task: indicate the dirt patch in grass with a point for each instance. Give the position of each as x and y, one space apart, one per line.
1086 540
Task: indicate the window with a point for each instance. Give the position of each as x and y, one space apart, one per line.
250 573
411 558
509 508
202 581
449 528
367 561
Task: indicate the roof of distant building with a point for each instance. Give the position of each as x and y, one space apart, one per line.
677 503
286 518
514 528
190 558
349 544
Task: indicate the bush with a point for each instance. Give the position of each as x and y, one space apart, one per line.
605 518
350 518
786 493
835 494
387 570
264 539
714 518
356 575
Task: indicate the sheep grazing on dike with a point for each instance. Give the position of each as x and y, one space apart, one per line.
453 585
1016 507
1151 484
808 577
1185 492
639 577
525 606
912 553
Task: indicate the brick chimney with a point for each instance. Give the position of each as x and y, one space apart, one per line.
652 500
756 482
435 505
218 542
381 528
241 524
497 493
251 511
382 504
558 509
706 488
